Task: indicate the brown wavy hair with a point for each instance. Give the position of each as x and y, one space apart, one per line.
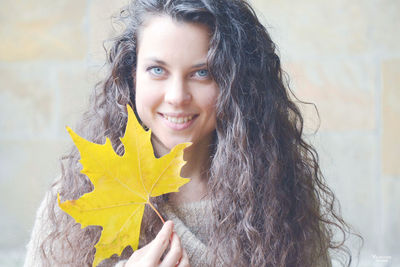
270 203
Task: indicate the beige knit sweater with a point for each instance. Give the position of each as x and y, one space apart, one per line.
191 227
188 221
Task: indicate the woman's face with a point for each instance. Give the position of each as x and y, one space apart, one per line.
175 95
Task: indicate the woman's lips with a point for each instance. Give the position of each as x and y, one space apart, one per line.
178 121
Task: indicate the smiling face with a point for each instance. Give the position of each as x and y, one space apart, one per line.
175 95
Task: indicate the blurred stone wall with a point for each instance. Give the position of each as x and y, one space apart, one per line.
344 56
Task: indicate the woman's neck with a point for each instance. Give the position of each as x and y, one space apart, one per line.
197 166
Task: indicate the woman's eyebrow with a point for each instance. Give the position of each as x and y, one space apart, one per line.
158 61
200 65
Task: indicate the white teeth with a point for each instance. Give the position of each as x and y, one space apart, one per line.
178 120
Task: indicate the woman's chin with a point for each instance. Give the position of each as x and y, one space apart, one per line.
171 145
162 147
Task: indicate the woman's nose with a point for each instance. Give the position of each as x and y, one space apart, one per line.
177 92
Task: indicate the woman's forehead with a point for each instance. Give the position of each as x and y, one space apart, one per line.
165 39
160 23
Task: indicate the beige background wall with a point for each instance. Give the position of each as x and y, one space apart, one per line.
342 55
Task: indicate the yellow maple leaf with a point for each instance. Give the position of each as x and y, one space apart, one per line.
123 186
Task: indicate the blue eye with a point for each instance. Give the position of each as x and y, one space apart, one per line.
202 73
156 70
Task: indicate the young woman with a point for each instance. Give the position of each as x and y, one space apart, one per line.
204 71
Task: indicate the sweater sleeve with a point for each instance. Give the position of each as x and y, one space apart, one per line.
41 229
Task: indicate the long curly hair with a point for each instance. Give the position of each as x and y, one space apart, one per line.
270 203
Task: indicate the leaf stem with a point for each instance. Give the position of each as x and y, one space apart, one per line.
159 215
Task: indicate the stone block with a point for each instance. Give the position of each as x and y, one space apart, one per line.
27 169
12 257
384 26
27 97
44 29
305 29
349 163
391 117
391 219
102 26
343 92
75 88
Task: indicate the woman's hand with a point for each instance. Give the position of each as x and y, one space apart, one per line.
150 255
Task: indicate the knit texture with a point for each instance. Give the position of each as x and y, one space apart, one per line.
189 223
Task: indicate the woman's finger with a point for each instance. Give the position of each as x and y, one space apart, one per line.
174 254
184 262
160 243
